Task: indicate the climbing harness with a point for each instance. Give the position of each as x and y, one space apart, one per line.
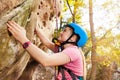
56 11
62 69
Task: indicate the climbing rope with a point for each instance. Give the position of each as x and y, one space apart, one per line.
56 16
56 12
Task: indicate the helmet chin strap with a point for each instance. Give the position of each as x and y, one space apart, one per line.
67 41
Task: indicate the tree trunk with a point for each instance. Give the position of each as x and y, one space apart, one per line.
15 62
93 53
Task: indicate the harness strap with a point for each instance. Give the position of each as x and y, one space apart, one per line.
63 75
62 68
67 41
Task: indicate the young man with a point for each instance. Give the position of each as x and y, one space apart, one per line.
68 57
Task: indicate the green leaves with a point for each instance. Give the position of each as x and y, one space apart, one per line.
72 10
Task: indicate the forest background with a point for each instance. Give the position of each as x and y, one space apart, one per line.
100 18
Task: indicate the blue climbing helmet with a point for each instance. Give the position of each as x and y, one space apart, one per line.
78 30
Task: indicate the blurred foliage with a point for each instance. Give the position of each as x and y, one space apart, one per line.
108 43
72 8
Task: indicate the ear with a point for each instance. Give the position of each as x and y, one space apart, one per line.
73 38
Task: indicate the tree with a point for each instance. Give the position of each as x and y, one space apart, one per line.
15 62
93 52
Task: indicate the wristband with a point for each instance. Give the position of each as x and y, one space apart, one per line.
26 44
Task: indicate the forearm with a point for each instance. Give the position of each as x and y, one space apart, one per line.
42 37
45 40
38 54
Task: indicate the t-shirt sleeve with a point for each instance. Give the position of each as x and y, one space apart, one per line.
71 52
